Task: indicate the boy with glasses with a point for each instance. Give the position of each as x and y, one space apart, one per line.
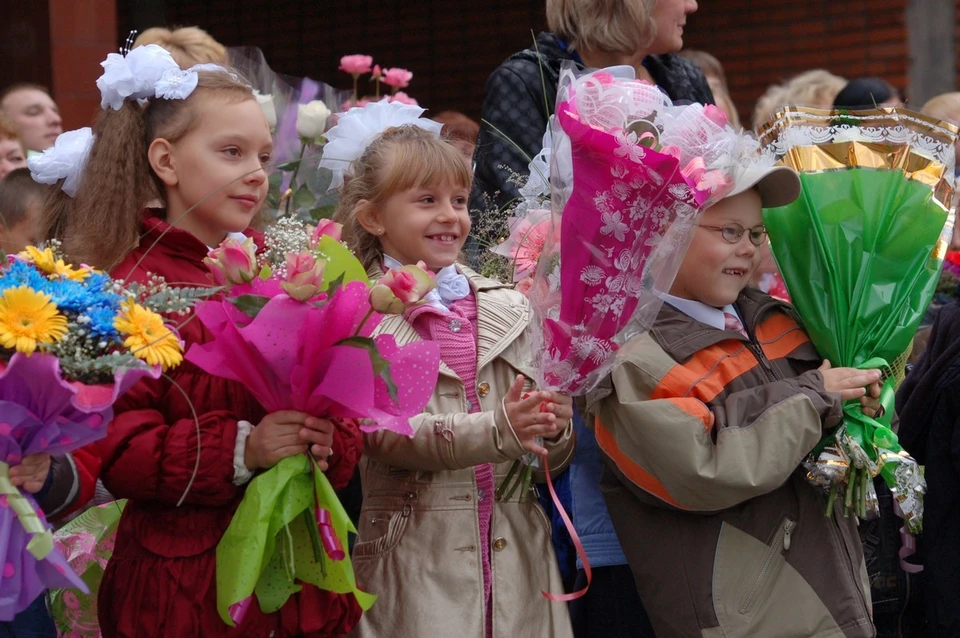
703 429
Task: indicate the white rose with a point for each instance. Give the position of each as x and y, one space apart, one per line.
312 119
269 110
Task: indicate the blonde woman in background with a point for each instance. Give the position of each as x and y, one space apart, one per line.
817 88
188 45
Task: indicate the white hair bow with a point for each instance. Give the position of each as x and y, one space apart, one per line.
64 160
359 126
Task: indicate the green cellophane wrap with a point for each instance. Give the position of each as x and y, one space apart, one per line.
267 549
860 252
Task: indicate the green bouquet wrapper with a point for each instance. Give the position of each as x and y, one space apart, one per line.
861 252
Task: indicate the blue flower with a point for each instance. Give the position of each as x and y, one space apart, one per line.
101 321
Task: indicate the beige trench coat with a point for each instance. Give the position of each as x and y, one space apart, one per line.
419 542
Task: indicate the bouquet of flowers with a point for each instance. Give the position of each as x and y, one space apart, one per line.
861 253
630 175
72 340
296 329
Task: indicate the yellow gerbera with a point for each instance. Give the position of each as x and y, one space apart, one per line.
48 263
28 318
147 338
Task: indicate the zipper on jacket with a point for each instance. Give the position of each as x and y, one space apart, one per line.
754 344
781 544
853 570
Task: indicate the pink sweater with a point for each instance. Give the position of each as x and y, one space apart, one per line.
456 332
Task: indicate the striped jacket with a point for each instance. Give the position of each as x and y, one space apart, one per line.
703 432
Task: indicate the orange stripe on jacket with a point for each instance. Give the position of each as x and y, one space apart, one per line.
637 475
779 336
707 372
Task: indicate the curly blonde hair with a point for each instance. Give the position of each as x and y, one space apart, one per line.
101 224
401 158
817 88
188 45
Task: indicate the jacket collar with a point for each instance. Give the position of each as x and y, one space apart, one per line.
499 320
681 336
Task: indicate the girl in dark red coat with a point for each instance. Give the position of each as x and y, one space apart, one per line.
182 448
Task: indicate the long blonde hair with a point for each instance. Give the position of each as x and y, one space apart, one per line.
401 158
101 224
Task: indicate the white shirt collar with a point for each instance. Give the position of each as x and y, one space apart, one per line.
701 312
451 285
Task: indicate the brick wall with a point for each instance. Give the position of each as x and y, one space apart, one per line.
761 42
450 45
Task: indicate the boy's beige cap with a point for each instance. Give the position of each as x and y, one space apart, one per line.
777 185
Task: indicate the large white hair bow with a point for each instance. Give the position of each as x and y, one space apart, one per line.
64 160
146 72
359 126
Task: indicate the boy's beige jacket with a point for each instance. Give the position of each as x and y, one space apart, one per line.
703 432
419 544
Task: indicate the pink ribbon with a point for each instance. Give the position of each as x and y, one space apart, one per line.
239 609
576 543
328 536
908 545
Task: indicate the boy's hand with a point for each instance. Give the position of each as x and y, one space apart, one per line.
850 383
871 402
285 433
526 417
31 473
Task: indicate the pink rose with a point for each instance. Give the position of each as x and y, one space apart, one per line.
403 98
524 286
401 288
326 227
377 73
304 277
397 78
356 64
715 115
233 262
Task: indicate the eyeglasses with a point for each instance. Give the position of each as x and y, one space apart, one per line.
733 233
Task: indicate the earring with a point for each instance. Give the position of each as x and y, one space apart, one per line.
380 232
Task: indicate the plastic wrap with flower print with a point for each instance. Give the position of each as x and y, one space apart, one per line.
296 329
630 175
72 340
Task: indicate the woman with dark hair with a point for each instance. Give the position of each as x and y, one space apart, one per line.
519 96
867 93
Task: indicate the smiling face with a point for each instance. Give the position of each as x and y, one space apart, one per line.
36 114
671 18
216 171
714 271
425 223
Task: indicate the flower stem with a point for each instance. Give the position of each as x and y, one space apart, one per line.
356 79
296 170
363 322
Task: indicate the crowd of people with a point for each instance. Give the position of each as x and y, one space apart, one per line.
685 490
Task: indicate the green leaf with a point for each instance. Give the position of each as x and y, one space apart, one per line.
303 198
289 166
336 283
250 305
340 263
323 212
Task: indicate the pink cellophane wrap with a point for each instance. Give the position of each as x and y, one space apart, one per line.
288 357
40 412
626 215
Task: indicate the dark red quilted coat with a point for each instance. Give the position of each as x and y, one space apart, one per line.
162 578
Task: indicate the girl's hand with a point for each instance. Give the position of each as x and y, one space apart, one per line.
31 473
526 417
561 406
850 383
285 433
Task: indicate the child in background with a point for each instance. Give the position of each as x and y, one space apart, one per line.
445 556
182 448
703 428
13 152
20 202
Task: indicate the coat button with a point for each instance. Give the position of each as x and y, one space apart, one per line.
499 543
483 389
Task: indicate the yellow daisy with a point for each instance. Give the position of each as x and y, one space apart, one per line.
48 263
147 338
28 318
